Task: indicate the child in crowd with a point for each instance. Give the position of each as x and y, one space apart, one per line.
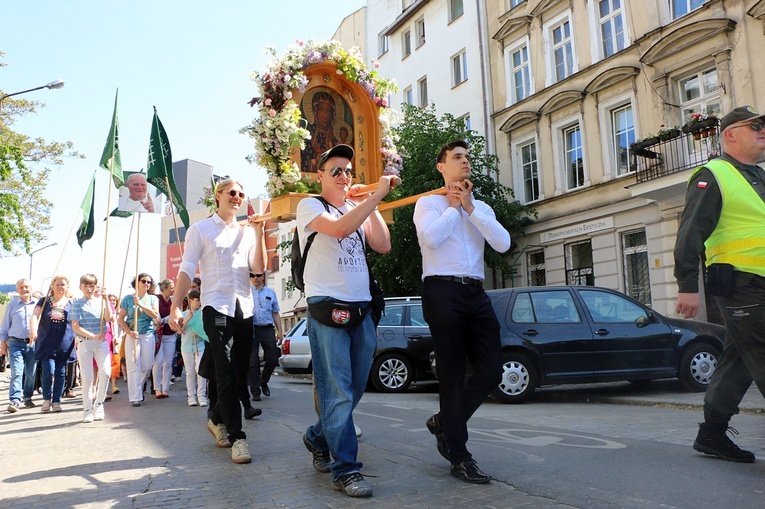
192 347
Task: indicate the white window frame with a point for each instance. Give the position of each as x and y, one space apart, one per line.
607 141
547 40
419 29
559 159
383 45
408 96
510 71
705 100
596 39
466 120
461 57
406 43
519 176
452 16
423 97
688 4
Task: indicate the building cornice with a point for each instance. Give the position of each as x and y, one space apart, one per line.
514 25
685 37
520 119
611 77
405 16
561 100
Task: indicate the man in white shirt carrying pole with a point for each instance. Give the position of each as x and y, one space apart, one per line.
225 252
451 231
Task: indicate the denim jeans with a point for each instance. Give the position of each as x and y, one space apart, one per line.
341 361
23 363
53 371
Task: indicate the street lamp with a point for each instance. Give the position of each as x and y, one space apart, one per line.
32 254
53 84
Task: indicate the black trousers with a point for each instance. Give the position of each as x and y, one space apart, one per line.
265 337
464 328
230 344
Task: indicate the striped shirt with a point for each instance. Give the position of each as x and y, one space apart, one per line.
88 312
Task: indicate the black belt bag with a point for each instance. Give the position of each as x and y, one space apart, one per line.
720 279
334 313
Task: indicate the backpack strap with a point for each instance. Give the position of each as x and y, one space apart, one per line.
309 240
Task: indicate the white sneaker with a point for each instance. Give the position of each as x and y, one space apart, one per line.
87 416
240 453
99 412
192 401
203 401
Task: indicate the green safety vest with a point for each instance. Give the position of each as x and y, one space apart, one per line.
739 238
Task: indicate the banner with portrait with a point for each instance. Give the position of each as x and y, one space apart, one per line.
137 195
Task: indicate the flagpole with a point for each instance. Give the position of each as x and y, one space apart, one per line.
127 255
172 210
106 237
135 287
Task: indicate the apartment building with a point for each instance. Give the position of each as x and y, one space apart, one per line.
575 83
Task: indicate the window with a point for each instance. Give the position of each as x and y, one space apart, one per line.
562 50
545 307
406 44
408 98
466 120
513 3
455 9
519 82
422 87
682 7
530 172
623 133
405 4
535 264
459 68
573 162
393 317
611 22
579 264
383 45
700 93
637 283
609 308
419 27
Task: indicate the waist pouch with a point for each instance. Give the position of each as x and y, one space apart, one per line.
720 279
334 313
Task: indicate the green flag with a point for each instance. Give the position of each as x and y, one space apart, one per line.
87 227
159 171
110 159
119 213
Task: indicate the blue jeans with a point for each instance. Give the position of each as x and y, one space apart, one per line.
23 363
341 361
54 369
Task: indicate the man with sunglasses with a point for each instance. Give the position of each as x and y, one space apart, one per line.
336 270
723 219
265 316
225 252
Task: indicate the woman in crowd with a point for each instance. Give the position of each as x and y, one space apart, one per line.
163 361
136 318
116 343
52 335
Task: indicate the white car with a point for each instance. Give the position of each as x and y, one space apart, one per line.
296 351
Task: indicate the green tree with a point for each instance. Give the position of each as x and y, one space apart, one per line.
421 135
24 169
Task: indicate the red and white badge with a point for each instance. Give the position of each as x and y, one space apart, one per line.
341 316
701 184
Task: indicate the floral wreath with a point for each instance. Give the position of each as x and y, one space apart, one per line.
280 126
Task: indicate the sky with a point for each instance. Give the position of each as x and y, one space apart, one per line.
191 59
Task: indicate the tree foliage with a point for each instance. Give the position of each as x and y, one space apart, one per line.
24 169
421 135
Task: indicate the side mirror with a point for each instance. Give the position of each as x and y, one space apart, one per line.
642 321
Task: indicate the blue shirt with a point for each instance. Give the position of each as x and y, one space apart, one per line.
16 320
145 323
88 312
266 304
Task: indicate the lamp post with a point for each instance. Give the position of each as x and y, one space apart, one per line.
50 86
32 254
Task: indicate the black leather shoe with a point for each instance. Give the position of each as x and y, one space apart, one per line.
265 390
469 472
251 412
256 397
435 428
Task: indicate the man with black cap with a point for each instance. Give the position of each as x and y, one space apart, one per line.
340 328
724 220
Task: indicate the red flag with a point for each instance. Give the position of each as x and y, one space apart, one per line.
250 210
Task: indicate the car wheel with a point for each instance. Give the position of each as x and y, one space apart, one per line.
391 372
697 365
519 379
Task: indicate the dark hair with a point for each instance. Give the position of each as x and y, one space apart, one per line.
193 294
198 282
140 276
450 146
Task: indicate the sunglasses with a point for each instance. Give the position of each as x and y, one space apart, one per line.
146 281
338 170
756 126
255 275
234 193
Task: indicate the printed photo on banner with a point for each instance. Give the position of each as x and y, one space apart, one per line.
137 195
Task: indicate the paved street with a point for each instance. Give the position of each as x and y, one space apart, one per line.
161 454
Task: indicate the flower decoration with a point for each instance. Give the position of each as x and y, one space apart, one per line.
280 126
208 196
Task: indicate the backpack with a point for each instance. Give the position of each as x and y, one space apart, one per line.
297 257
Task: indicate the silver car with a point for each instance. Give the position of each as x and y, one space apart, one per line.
296 352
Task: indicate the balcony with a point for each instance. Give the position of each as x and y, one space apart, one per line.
693 146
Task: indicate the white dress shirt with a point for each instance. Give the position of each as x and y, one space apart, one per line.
452 240
222 253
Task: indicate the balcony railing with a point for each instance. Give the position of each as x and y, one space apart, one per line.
655 158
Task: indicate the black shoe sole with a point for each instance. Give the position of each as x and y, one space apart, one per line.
475 480
711 452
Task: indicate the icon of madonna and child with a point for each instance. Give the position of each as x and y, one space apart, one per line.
330 122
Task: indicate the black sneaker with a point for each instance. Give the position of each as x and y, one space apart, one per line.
251 412
28 403
468 471
435 428
353 485
713 441
321 459
265 390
